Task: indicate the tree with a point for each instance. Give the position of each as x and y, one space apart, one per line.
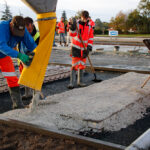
6 14
78 14
65 19
144 7
98 24
64 16
99 27
105 27
119 22
134 20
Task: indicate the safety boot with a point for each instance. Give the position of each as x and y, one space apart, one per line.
16 97
80 79
28 93
72 79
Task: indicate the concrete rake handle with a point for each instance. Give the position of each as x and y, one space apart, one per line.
145 82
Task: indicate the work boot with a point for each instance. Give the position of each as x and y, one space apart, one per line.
28 93
16 97
80 79
72 79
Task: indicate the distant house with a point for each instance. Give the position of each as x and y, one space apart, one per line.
131 30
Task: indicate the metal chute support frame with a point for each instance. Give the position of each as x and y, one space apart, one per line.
33 76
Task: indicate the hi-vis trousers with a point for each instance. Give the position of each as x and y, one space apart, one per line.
78 63
8 71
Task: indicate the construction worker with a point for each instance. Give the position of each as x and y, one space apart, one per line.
32 29
78 53
23 49
12 32
61 31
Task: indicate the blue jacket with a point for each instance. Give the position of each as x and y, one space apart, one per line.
8 41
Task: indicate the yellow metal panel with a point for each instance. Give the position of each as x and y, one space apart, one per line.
33 76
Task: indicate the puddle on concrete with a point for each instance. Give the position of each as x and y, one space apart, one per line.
122 48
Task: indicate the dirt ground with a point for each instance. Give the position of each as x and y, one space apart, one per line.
20 139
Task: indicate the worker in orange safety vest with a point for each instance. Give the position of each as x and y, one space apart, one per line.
78 53
61 31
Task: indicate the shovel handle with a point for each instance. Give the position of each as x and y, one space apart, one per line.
145 82
92 68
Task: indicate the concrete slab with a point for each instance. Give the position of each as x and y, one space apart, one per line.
109 105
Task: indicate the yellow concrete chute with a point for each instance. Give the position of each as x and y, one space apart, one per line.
33 76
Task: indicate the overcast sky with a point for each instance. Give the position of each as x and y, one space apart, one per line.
103 9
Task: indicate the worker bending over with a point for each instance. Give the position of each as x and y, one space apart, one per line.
78 53
13 32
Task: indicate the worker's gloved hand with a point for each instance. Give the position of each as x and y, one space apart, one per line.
89 48
85 53
31 55
73 24
24 58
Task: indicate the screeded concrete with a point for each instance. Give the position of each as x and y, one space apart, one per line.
109 105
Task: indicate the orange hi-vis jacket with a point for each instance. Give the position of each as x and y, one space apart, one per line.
78 62
92 23
61 27
87 36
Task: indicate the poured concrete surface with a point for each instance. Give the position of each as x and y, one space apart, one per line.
110 105
108 60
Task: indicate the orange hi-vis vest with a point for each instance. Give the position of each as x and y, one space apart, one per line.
92 23
61 27
87 36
